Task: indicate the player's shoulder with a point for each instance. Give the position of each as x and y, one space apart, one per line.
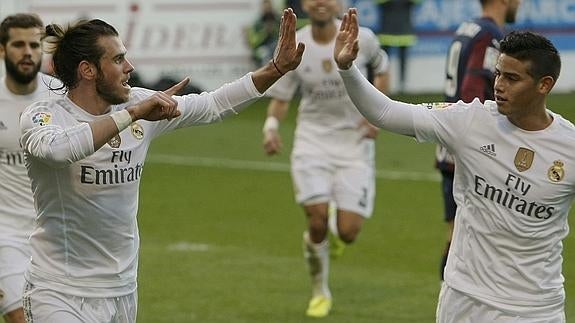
45 104
304 33
41 112
489 27
48 78
445 105
366 32
49 86
477 28
137 94
564 125
475 104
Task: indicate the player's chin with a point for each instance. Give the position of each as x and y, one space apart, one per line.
503 107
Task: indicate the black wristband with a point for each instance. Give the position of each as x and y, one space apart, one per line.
277 69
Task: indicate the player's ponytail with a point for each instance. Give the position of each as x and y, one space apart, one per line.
52 38
73 44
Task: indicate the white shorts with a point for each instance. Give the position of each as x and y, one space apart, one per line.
457 307
13 264
43 305
351 186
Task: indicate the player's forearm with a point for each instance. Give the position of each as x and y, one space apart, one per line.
278 109
380 110
107 127
209 107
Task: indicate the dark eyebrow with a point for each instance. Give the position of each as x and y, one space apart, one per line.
121 55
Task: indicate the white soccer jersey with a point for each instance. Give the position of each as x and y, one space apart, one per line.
16 203
328 124
513 188
87 240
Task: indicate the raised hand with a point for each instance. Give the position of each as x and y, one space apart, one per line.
159 106
346 42
287 54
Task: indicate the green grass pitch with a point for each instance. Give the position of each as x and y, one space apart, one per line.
221 234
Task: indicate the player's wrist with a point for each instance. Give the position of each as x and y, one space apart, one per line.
344 67
133 112
271 124
122 118
273 61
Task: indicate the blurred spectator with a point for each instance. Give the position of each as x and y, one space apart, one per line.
397 31
302 18
263 33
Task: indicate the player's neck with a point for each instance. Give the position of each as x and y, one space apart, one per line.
324 33
536 121
88 100
21 88
497 15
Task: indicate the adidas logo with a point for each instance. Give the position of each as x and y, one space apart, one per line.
3 126
488 150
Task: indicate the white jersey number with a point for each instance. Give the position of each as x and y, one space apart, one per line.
451 69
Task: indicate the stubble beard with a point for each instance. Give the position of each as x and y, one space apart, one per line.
106 91
19 76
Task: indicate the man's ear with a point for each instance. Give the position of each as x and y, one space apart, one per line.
2 52
545 84
87 70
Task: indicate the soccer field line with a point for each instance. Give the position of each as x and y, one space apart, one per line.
275 166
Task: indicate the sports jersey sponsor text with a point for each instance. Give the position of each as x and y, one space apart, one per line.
506 198
328 90
116 175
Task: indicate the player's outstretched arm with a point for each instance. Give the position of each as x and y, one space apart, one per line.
347 41
287 55
375 106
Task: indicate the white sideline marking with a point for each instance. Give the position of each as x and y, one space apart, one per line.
275 166
188 246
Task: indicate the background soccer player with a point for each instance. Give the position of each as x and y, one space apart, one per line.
333 154
20 47
505 262
470 74
85 156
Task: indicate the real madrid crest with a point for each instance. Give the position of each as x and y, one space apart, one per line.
115 141
327 65
556 172
524 159
137 130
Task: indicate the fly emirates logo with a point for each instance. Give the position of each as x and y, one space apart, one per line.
91 174
513 196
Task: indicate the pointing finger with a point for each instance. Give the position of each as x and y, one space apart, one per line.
178 87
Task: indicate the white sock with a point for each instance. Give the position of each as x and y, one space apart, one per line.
332 219
317 257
